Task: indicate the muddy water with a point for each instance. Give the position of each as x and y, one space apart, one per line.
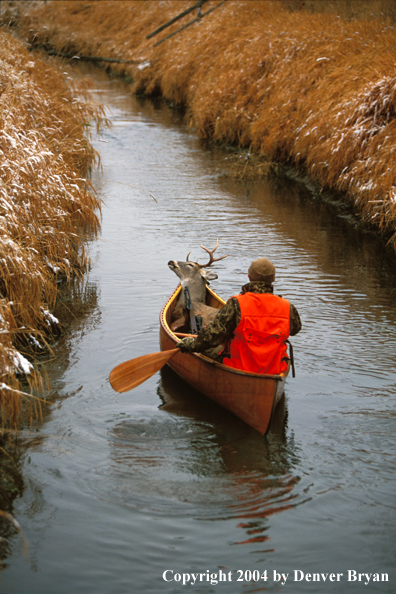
122 488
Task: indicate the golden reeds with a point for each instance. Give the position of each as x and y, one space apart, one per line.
314 89
46 209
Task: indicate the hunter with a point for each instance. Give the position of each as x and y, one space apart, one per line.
251 327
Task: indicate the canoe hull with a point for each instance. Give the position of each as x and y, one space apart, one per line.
251 397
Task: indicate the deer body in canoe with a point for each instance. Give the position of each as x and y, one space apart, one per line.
194 275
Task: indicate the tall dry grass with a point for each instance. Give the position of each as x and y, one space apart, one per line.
316 90
46 210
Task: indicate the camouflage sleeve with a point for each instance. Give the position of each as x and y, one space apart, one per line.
295 322
221 329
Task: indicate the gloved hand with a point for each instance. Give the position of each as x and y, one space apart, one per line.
186 345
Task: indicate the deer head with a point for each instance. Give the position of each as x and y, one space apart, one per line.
194 274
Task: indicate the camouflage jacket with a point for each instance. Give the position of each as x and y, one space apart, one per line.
221 330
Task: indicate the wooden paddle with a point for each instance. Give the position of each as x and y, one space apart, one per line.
130 374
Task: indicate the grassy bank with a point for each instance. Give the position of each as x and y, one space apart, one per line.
46 209
315 90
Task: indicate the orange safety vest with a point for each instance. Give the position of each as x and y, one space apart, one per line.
259 339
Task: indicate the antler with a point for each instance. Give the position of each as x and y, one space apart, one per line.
211 252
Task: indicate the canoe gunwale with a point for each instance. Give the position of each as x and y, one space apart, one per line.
250 396
176 339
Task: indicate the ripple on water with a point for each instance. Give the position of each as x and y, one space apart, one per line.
172 466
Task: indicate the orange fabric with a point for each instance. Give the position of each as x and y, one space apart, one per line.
259 339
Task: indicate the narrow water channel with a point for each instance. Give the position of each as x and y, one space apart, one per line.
120 488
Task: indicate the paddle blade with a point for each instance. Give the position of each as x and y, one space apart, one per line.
130 374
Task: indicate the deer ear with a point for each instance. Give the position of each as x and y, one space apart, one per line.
210 275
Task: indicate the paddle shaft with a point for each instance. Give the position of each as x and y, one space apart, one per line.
130 374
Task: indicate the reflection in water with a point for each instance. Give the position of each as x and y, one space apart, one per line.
77 308
11 487
202 454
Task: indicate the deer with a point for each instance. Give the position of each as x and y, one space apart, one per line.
194 276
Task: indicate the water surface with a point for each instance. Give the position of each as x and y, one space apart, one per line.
120 488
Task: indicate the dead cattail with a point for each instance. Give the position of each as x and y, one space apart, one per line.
46 210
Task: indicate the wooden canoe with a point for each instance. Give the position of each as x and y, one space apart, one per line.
250 396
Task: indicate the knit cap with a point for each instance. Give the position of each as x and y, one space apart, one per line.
262 269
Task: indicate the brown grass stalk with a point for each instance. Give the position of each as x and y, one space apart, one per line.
46 211
314 89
